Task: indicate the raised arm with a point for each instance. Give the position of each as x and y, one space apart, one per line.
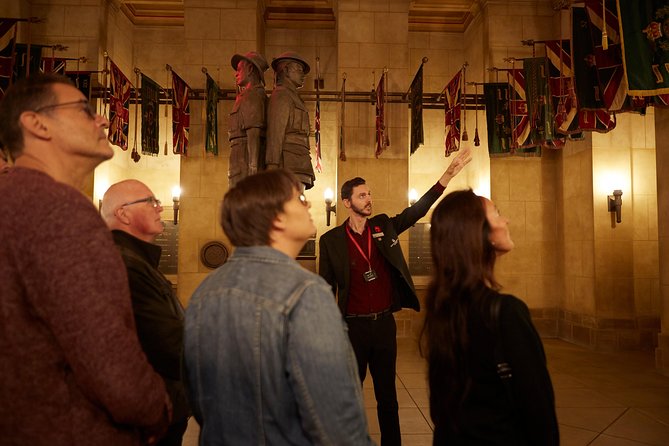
459 162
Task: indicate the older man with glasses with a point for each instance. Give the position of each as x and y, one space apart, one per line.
73 371
132 212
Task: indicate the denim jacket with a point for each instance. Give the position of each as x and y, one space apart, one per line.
268 358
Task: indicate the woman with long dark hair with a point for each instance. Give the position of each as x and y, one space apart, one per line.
487 369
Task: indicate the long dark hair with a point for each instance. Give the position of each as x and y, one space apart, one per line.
463 261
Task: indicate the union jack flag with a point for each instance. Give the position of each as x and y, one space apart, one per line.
453 109
7 40
53 65
180 115
119 113
317 134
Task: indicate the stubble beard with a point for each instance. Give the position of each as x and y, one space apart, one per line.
362 212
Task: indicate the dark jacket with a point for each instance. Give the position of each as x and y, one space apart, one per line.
158 316
333 263
490 414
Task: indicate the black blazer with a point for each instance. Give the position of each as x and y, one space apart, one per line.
333 263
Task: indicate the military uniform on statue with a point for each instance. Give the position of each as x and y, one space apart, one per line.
247 121
288 120
363 262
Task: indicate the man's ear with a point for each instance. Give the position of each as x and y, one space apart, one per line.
346 202
121 216
279 222
34 124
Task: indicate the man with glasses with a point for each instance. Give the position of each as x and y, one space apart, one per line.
266 351
73 371
132 213
288 120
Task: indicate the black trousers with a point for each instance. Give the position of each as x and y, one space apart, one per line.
375 345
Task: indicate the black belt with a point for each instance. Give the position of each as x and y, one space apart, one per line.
372 316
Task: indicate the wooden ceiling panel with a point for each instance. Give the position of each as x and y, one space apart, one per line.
424 15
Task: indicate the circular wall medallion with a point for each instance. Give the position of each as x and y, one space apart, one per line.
213 254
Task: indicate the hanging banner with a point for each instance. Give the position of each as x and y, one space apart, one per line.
119 113
7 42
150 113
211 130
416 104
452 109
382 140
81 80
644 25
180 115
592 113
498 119
561 84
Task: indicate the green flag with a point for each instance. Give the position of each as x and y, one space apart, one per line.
644 29
498 119
211 139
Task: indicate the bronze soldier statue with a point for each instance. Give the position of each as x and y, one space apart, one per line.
288 120
247 121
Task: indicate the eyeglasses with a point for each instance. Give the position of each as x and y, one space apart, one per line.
303 200
87 107
153 201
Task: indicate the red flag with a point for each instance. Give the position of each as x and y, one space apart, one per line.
317 135
453 108
382 140
180 115
118 107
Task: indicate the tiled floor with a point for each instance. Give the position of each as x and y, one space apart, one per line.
603 399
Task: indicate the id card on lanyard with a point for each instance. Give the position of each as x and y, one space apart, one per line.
370 274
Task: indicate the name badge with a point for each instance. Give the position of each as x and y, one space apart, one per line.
369 275
377 235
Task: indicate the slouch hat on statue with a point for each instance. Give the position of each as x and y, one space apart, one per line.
291 55
255 58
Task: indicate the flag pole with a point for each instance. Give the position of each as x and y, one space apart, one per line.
463 101
342 133
423 62
134 155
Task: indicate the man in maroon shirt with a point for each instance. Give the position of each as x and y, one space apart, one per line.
73 372
363 262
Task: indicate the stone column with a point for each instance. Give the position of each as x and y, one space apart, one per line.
662 159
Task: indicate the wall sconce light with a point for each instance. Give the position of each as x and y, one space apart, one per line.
616 204
330 206
413 197
176 194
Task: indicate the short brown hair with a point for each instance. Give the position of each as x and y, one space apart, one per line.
249 208
26 94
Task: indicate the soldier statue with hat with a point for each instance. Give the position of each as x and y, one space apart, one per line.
247 121
288 120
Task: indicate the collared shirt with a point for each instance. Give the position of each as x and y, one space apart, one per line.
367 297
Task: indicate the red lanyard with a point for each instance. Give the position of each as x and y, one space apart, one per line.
369 244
